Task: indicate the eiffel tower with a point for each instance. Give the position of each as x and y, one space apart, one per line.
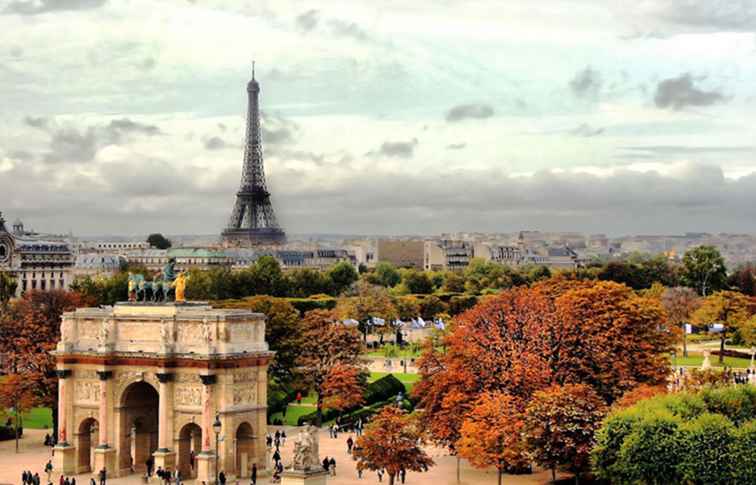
252 221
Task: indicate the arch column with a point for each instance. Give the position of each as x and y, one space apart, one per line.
165 456
65 454
104 454
207 459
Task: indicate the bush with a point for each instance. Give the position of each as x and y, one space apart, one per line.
649 454
304 305
743 455
461 303
706 450
8 433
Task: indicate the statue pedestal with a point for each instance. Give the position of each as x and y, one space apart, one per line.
205 468
300 477
165 459
105 458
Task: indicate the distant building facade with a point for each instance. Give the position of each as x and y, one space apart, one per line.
401 253
36 261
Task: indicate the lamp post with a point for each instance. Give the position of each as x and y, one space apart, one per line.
217 430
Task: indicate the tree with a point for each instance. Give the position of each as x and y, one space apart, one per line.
417 282
326 344
430 306
390 443
385 274
491 434
481 274
158 241
15 393
454 282
680 303
29 331
704 270
344 387
368 301
8 287
267 277
728 308
744 279
282 332
306 282
342 275
560 423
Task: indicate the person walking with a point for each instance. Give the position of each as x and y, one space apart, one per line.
36 478
283 437
326 463
222 478
380 475
332 466
299 397
48 470
73 480
350 443
149 464
402 474
276 456
92 481
103 477
253 475
62 480
67 481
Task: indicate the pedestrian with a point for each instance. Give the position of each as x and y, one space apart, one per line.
277 440
73 480
359 472
402 474
149 464
253 475
276 456
103 477
332 466
268 440
222 478
24 479
92 481
380 475
350 443
326 463
299 397
283 437
48 470
278 435
159 472
67 481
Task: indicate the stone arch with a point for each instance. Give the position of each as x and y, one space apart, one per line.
86 439
137 425
189 446
244 449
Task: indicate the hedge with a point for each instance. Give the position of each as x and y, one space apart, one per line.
8 433
379 391
304 305
706 436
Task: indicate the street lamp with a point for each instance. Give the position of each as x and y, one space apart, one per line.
217 430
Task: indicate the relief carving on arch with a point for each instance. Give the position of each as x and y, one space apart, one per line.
88 330
245 394
188 395
87 391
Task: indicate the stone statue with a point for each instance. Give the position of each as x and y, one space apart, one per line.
306 453
180 285
133 283
207 336
164 333
706 364
169 270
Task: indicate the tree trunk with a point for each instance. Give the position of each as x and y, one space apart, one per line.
685 341
553 474
319 412
499 469
721 346
458 460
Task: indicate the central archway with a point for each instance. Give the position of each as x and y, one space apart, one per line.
245 449
139 426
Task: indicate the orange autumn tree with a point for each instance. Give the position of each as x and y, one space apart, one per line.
491 433
390 443
29 331
560 423
343 387
728 308
16 393
680 303
327 345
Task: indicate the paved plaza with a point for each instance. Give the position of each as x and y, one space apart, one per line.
33 455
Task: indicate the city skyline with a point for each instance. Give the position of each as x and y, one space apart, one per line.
438 117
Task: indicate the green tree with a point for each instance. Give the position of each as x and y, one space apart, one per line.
728 308
268 277
481 274
158 241
282 332
306 282
743 455
706 450
417 282
704 270
342 275
7 288
385 274
454 282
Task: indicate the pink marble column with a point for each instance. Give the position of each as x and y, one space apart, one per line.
164 407
207 412
63 375
105 377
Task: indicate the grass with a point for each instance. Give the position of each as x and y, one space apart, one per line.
695 360
408 380
406 354
37 418
293 412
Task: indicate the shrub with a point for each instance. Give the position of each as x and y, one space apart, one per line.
743 455
705 449
304 305
649 454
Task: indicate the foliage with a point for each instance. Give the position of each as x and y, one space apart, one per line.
454 282
368 301
417 282
158 241
481 274
407 307
384 274
729 308
560 423
8 287
390 443
303 282
103 290
704 270
325 345
282 332
640 393
342 275
16 392
491 434
686 437
29 331
343 387
431 306
743 279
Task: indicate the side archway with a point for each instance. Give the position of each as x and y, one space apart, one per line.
245 449
189 445
87 437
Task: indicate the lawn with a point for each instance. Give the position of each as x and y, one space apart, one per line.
293 412
37 418
695 360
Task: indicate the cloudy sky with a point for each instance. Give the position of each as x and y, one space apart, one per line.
381 116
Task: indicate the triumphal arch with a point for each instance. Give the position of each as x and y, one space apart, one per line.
141 380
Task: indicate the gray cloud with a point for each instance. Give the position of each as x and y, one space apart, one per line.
680 92
348 29
456 146
690 150
660 18
277 129
36 7
469 111
586 83
70 144
398 149
148 64
308 21
214 143
586 130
